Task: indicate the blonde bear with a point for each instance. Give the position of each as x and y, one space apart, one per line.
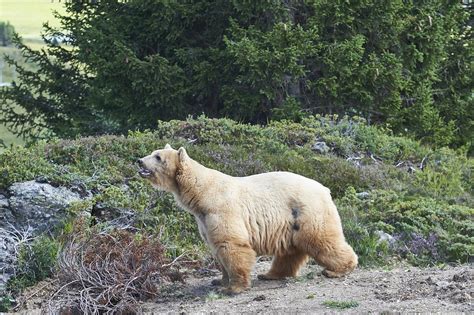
281 214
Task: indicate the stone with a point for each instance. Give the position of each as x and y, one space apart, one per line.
8 257
3 202
363 195
385 237
321 147
38 206
30 209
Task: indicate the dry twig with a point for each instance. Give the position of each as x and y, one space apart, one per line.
110 273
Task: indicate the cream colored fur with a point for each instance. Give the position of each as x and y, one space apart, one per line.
281 214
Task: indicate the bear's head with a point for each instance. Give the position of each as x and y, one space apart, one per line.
162 166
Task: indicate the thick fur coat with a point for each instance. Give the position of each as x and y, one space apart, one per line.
282 214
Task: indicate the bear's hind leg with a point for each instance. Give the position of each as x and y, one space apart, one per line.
338 260
285 266
238 261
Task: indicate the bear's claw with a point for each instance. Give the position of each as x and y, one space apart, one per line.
232 291
332 274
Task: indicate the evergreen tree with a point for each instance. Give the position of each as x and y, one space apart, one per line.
6 33
406 64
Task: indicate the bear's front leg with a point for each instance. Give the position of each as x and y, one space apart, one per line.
237 259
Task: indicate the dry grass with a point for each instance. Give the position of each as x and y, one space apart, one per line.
110 273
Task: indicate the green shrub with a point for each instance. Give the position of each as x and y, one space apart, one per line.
20 164
371 251
427 210
340 304
444 175
426 230
5 303
36 261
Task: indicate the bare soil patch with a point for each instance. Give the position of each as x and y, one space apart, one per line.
402 289
407 289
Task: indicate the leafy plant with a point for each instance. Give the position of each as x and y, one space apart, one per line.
341 305
405 66
380 182
5 303
36 261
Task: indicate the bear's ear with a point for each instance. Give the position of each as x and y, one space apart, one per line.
182 155
167 146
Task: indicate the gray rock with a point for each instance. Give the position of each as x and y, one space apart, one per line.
3 202
31 209
320 147
385 237
8 257
363 195
39 206
6 216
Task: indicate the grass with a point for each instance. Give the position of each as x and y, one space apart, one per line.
340 305
27 16
213 296
428 212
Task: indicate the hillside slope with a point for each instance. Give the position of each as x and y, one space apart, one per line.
398 200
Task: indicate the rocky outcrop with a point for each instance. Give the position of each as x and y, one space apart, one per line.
36 206
321 147
28 209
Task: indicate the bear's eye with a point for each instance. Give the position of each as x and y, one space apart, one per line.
158 157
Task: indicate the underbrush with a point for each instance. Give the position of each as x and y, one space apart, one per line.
35 262
110 272
424 231
421 197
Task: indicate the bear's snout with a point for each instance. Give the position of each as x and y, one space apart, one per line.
144 172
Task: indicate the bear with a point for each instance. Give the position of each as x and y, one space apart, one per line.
281 214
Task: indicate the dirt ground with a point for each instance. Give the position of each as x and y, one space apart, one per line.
407 289
402 289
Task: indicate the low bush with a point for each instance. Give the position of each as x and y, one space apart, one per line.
420 195
35 262
425 230
110 272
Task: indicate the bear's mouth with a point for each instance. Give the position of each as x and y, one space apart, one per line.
144 172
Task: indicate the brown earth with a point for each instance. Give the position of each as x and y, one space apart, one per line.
407 289
402 289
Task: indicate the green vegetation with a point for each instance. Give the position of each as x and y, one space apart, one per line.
213 296
421 196
403 65
5 303
341 305
27 18
36 261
